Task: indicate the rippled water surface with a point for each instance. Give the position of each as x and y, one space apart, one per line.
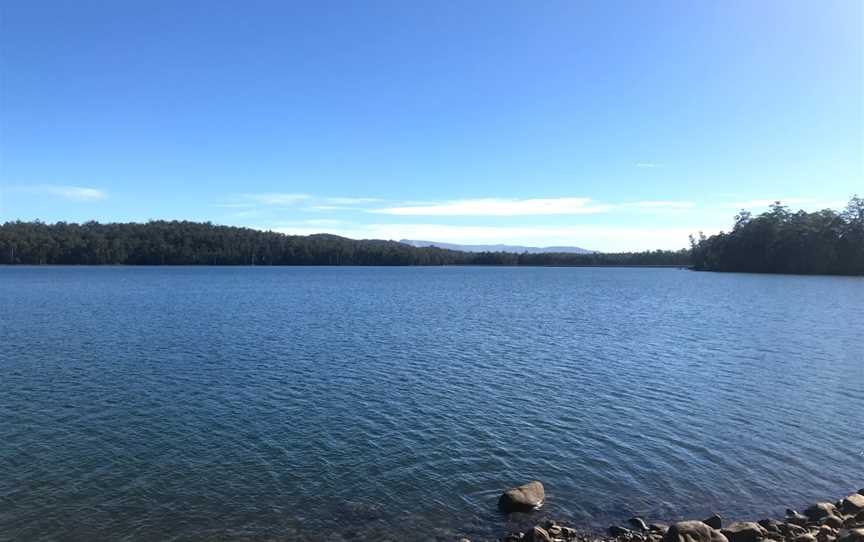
395 404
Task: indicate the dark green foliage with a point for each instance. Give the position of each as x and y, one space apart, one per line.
193 243
780 241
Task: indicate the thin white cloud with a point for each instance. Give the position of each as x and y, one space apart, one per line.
648 165
499 207
72 193
329 208
350 201
276 198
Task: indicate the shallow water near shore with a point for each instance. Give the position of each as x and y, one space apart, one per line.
396 403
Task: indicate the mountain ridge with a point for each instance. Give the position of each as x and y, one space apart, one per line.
516 249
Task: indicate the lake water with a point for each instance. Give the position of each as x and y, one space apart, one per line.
397 403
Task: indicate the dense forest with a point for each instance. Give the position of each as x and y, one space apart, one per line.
780 241
193 243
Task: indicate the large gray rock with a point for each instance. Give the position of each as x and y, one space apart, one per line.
744 531
820 510
523 498
692 531
852 504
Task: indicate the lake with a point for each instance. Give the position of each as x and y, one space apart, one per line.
397 403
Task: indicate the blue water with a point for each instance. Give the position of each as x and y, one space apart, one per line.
396 403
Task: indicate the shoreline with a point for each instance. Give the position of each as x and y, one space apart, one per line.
825 521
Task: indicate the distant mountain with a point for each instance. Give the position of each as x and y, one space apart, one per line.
517 249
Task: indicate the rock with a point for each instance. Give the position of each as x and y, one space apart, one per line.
693 531
771 525
851 535
658 528
806 537
794 530
852 504
715 521
820 510
861 491
795 517
744 531
832 521
538 534
523 498
616 531
464 540
638 523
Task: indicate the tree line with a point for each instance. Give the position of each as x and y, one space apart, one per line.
782 241
193 243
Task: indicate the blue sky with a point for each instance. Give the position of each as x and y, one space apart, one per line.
610 125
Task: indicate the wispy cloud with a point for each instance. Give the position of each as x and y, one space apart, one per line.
499 207
276 198
72 193
349 201
648 165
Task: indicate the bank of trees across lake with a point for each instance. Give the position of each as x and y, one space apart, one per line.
194 243
782 241
777 241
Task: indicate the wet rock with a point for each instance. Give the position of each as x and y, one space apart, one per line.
852 504
658 528
616 531
861 491
537 534
806 537
638 523
771 525
569 533
715 521
523 498
693 531
820 510
832 521
851 535
795 517
794 530
744 531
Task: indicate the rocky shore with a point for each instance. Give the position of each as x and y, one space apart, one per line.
840 521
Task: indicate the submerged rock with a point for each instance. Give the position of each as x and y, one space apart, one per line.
693 531
744 531
526 497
